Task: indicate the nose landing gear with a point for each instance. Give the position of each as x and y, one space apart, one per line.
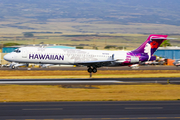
13 67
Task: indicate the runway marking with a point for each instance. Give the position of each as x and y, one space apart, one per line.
138 118
142 118
106 118
45 109
86 118
143 108
30 119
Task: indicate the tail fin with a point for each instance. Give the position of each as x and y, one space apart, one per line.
151 44
148 48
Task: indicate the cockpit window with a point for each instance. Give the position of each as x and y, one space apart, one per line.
17 51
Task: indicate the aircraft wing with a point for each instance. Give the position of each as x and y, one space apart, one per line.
98 63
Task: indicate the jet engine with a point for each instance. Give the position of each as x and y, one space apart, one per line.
134 59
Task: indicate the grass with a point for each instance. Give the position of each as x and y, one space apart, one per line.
88 41
9 93
130 41
130 35
19 93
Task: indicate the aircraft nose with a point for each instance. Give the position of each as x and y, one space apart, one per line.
8 57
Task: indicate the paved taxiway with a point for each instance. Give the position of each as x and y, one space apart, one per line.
90 81
91 110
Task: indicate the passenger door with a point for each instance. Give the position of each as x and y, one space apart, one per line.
24 53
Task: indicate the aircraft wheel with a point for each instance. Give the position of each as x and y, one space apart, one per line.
94 70
13 67
90 70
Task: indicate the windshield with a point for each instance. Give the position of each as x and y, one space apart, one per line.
17 51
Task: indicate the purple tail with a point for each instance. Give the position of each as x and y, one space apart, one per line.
150 46
153 41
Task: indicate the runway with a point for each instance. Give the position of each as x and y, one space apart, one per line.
90 81
92 110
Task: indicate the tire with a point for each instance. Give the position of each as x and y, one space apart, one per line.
13 67
94 70
90 70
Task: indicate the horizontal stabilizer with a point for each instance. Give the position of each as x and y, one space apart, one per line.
162 38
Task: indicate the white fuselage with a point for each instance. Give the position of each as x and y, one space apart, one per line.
62 56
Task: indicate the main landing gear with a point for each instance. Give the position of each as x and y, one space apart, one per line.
90 69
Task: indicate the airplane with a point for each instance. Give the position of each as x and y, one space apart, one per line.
93 59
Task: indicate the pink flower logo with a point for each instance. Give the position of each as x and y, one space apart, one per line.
154 44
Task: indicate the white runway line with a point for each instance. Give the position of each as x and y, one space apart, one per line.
45 109
140 108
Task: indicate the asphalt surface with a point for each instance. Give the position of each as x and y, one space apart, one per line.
151 67
90 81
92 110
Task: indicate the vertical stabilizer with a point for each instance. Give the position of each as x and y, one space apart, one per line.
153 42
151 45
